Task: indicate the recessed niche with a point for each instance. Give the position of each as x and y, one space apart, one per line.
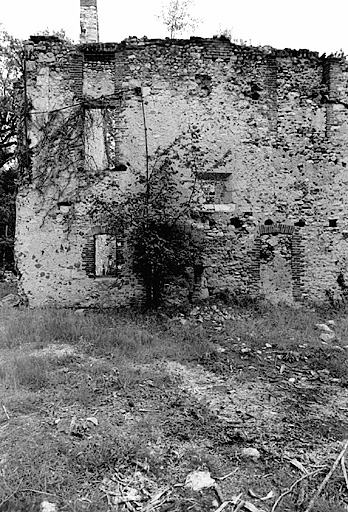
300 223
236 222
332 223
268 222
64 206
119 168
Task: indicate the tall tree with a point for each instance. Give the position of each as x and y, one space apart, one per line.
177 17
10 71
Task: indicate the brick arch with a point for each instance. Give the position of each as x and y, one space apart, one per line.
277 228
297 257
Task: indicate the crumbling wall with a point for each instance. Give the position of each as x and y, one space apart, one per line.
261 135
89 21
56 240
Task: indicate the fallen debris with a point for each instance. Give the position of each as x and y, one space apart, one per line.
298 465
46 506
259 497
241 504
135 492
5 411
289 491
198 480
327 478
323 327
327 336
251 453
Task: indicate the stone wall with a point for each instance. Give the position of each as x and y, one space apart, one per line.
261 132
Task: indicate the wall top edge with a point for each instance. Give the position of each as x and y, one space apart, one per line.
134 43
221 45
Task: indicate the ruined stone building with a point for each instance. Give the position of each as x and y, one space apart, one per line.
263 131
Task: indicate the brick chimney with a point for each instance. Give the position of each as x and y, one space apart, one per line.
89 21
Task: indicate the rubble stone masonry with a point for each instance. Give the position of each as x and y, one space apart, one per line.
264 130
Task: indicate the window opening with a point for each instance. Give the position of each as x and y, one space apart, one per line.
108 255
215 189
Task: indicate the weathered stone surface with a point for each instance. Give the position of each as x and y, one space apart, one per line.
256 130
47 506
198 480
251 453
327 336
323 327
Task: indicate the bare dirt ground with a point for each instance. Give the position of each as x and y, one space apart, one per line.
88 430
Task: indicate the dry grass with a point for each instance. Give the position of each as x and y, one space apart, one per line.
139 338
145 419
25 371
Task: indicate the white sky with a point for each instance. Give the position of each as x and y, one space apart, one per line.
312 24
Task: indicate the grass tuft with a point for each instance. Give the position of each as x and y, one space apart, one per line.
141 339
26 371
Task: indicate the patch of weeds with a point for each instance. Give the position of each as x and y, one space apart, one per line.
200 458
41 328
21 505
118 335
22 403
182 343
144 339
329 506
334 361
104 452
83 394
26 371
36 464
127 377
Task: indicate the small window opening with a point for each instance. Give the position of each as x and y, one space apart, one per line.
332 223
268 222
209 191
108 251
214 187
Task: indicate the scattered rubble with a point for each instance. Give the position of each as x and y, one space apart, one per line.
74 426
135 492
327 333
46 506
251 453
198 480
323 327
327 336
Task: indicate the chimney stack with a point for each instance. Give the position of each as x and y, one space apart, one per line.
89 21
